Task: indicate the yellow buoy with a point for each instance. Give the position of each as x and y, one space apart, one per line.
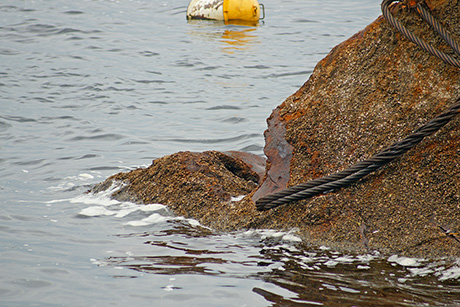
241 10
226 10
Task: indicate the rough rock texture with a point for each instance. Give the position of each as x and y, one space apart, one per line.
368 92
197 185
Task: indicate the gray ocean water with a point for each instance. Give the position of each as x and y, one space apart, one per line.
94 87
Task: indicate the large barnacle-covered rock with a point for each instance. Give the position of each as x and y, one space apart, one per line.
370 91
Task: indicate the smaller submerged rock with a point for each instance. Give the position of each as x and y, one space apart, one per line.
196 185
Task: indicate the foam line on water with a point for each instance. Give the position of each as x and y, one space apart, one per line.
102 205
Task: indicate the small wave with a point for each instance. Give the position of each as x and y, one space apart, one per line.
216 141
409 270
237 198
103 137
8 51
4 126
68 30
73 12
253 148
289 74
156 81
18 119
149 53
8 8
224 107
302 20
235 120
42 29
119 209
257 66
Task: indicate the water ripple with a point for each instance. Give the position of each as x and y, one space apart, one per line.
18 119
12 8
74 12
288 74
215 141
4 126
100 137
224 107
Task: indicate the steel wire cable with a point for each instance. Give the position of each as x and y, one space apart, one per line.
415 39
359 170
437 26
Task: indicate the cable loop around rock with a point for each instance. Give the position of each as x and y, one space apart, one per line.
418 41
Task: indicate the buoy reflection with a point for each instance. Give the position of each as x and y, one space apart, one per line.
238 40
230 38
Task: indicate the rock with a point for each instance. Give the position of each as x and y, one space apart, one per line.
280 153
367 93
196 185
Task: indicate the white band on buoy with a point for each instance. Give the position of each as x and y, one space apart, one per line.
224 10
206 9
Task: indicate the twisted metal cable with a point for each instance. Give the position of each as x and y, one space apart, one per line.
437 26
415 39
359 170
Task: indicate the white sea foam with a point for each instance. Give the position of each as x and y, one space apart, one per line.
94 199
128 208
237 198
363 267
345 259
288 236
96 211
82 176
405 261
101 204
157 218
417 267
71 182
154 218
451 273
282 235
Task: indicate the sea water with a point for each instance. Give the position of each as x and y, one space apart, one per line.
96 87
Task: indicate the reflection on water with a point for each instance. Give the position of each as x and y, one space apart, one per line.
309 275
238 40
235 34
